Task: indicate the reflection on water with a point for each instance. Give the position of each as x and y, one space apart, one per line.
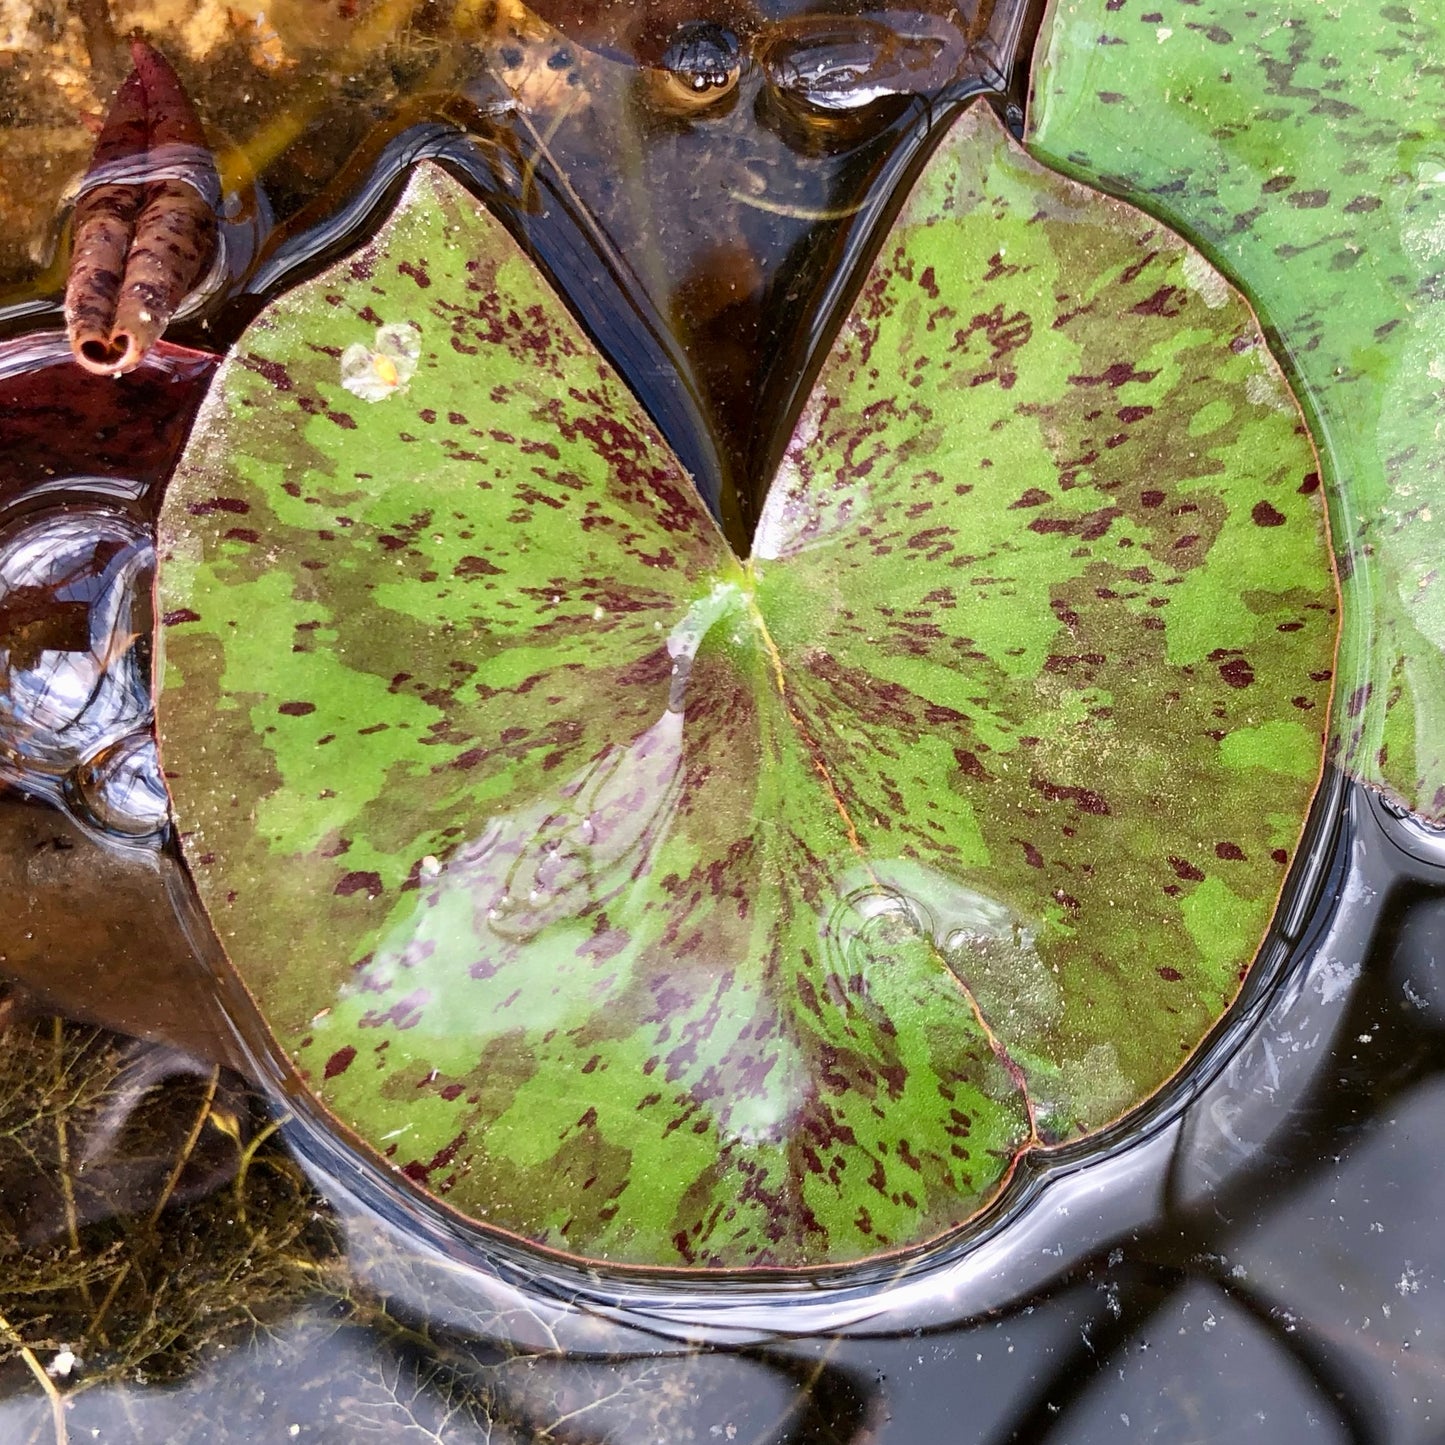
989 947
174 1268
74 630
847 65
582 845
120 788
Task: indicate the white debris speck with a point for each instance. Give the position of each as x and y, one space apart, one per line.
598 613
63 1363
1162 34
1333 978
1409 1281
374 372
431 866
293 1431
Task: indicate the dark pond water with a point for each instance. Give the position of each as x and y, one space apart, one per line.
185 1257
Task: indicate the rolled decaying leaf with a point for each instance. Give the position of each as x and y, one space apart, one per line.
145 220
104 220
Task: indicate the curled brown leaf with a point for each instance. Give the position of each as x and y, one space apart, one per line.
145 222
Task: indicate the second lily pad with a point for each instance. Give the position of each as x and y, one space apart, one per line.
676 910
1303 146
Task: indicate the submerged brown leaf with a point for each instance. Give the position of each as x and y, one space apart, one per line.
145 221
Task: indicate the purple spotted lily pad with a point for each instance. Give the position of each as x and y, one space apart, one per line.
1303 145
672 909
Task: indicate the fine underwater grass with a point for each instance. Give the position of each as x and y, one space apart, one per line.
168 1272
144 1216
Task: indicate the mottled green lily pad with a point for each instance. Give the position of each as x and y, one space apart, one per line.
1303 145
676 910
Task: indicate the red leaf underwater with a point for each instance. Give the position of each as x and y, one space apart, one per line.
58 421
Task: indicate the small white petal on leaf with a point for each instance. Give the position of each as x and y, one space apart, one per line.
375 372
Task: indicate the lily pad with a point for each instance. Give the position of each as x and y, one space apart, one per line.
1303 146
677 910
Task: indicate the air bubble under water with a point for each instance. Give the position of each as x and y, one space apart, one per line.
120 788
